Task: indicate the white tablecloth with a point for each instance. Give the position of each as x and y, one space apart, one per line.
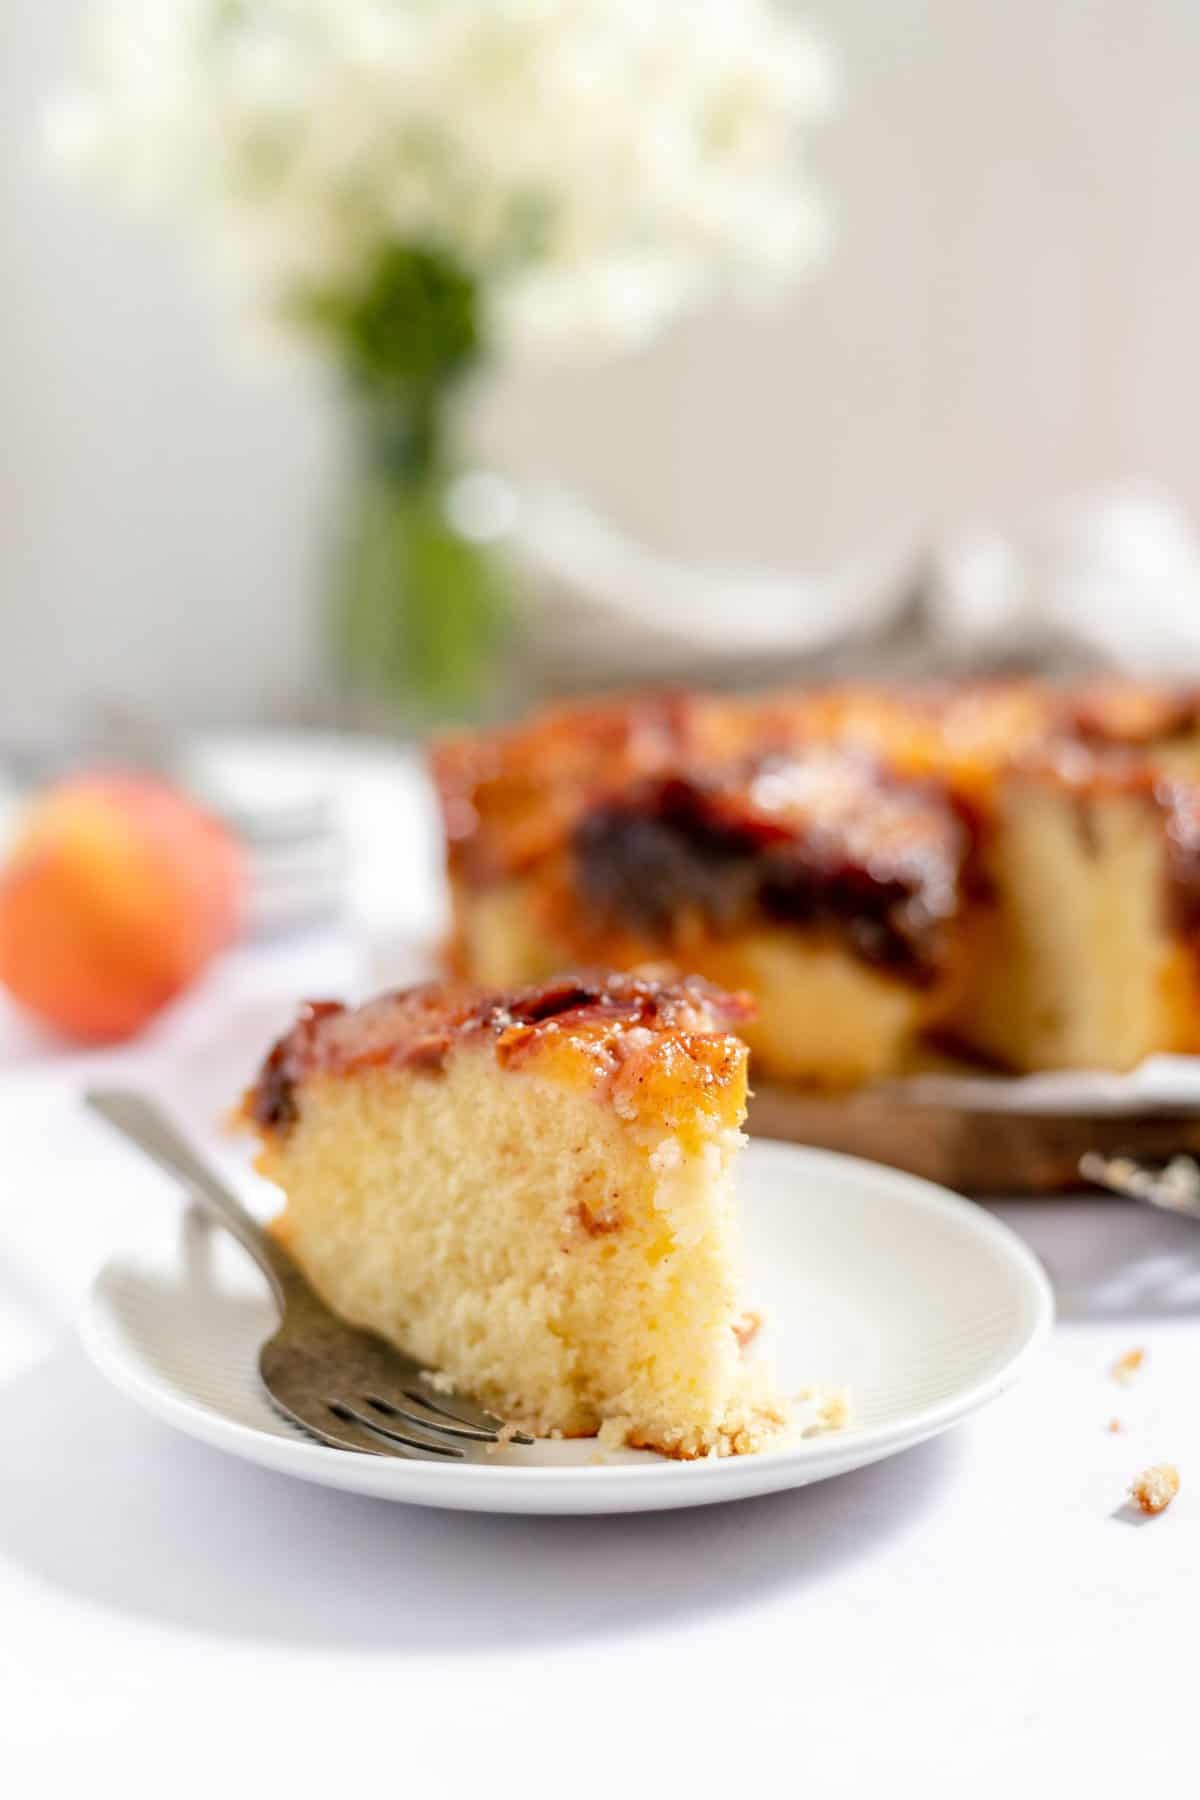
976 1612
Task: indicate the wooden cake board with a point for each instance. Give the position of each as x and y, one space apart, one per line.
974 1150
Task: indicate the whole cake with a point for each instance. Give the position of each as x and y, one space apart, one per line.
1010 869
532 1191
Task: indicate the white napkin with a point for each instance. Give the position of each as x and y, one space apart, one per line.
608 605
1104 579
1161 1081
1113 576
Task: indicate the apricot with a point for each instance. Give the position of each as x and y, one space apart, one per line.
115 895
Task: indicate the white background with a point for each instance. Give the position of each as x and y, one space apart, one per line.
1010 315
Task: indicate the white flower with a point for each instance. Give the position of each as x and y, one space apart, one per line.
595 164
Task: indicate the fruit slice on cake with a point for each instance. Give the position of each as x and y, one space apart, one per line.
533 1192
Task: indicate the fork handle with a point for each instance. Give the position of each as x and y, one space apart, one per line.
147 1126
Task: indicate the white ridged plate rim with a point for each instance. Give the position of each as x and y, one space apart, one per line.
922 1304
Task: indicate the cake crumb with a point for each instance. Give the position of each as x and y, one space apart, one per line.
1114 1425
614 1433
830 1411
438 1380
746 1326
834 1413
667 1154
503 1438
1155 1488
1127 1366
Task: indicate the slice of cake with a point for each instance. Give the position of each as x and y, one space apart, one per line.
533 1192
1087 920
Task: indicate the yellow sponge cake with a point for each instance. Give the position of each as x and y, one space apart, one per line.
533 1192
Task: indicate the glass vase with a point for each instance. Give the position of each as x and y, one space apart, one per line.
422 604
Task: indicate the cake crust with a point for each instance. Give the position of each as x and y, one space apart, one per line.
604 1030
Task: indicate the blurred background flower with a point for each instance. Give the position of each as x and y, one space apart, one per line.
415 188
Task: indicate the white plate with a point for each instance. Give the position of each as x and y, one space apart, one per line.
919 1304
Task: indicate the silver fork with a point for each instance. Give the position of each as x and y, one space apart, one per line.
1173 1186
343 1385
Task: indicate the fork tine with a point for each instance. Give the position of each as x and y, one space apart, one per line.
417 1415
341 1434
429 1446
463 1412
